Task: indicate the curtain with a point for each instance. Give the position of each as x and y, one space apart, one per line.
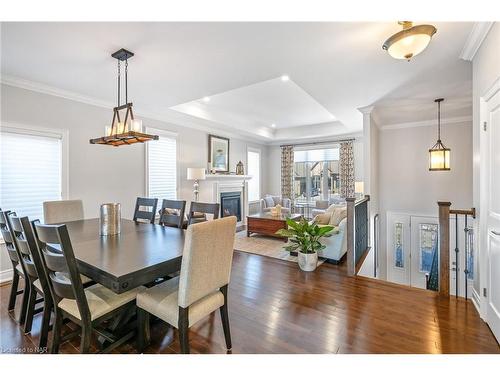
287 172
346 169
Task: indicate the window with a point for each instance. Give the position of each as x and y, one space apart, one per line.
31 171
398 244
162 166
253 163
428 234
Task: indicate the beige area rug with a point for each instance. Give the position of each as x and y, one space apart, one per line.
264 245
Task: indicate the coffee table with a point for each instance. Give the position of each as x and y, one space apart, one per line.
266 224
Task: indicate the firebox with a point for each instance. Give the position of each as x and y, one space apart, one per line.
230 204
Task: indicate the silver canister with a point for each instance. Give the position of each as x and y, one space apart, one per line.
110 219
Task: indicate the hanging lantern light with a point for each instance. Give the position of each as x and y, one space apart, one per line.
439 155
129 130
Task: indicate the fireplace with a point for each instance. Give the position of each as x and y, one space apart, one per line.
230 204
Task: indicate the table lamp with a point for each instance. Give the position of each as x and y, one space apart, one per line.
196 174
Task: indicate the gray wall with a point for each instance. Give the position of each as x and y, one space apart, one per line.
98 173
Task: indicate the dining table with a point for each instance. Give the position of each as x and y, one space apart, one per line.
139 255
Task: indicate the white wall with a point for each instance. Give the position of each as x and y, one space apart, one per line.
405 182
274 166
99 173
485 70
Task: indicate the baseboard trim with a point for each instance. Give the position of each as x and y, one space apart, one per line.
476 301
5 276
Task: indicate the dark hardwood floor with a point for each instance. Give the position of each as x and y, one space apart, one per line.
276 308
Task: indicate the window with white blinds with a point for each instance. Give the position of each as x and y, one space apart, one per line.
162 166
253 164
31 172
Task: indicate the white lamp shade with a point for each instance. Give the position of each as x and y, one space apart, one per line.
359 187
196 173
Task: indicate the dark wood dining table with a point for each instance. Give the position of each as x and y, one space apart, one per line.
140 254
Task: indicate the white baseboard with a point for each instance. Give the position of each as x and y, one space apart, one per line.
476 301
6 276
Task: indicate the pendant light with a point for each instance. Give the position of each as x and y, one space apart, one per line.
410 41
439 155
129 130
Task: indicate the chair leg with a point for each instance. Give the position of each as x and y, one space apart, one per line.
13 291
30 310
142 322
24 304
56 333
44 333
225 319
183 325
85 339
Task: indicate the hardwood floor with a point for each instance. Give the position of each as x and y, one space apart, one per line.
276 308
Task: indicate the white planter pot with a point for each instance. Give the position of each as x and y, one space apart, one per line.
308 262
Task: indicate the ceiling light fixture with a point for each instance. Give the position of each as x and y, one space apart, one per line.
285 78
206 99
129 130
410 41
273 125
439 155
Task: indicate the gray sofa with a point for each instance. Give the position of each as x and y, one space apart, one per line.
270 201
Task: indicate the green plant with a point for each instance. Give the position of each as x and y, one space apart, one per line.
304 237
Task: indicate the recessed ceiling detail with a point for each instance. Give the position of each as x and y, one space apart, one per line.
278 103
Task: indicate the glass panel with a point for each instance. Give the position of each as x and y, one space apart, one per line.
254 171
428 244
398 246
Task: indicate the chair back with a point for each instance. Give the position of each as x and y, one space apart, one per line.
8 237
207 259
62 211
169 218
60 268
25 244
203 208
145 209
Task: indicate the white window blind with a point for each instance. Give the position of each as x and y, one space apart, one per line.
253 161
31 168
162 166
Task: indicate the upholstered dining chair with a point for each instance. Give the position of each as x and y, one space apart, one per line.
201 287
17 268
145 210
89 307
62 211
199 210
172 213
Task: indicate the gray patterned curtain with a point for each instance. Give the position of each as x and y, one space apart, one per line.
346 169
287 172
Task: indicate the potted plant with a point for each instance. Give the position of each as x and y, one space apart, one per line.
304 238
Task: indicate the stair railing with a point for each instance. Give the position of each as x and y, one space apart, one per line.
358 233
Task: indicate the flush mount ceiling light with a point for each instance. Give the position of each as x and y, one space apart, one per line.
273 125
285 78
439 155
410 41
129 130
206 99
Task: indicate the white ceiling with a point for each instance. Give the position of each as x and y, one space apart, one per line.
334 69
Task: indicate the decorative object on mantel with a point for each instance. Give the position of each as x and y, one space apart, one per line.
439 155
410 41
240 170
129 130
304 238
218 153
196 174
110 219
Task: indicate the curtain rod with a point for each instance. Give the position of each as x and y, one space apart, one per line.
320 143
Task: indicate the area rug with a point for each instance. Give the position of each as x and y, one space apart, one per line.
264 245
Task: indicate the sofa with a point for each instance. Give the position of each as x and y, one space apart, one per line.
270 201
336 242
322 205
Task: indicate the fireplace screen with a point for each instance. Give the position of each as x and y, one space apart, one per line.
230 204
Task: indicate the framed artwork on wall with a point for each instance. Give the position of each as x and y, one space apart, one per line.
218 153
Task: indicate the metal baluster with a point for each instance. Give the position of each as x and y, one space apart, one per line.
466 248
456 255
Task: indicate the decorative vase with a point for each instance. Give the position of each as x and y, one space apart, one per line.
308 262
278 210
240 170
110 219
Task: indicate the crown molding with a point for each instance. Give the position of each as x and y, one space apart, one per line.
170 116
366 110
475 39
416 124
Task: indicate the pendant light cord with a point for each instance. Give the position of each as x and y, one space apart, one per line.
126 81
118 83
439 121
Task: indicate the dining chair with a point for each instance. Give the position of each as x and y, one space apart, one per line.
17 268
201 287
140 214
199 210
89 307
62 211
172 213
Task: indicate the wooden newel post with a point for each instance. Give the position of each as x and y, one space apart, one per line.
444 248
350 236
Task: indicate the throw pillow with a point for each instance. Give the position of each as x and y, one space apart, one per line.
338 214
322 219
269 201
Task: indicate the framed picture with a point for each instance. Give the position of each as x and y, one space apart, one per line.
218 153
